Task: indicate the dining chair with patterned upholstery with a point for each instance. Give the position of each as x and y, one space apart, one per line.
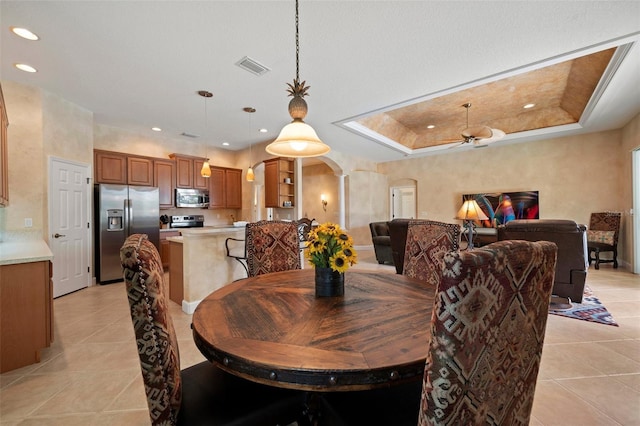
487 333
202 394
427 242
602 236
272 246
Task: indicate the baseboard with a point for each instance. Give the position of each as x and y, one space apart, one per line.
190 307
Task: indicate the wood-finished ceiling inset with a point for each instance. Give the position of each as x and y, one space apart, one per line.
560 93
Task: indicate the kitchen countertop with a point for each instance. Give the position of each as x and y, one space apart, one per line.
220 229
13 252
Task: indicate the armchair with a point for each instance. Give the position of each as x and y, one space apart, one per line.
381 241
572 264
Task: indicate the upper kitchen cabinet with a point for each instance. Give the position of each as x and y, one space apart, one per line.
110 167
140 171
164 177
278 183
225 188
123 169
4 161
188 172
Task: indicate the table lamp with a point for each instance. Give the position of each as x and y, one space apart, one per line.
469 213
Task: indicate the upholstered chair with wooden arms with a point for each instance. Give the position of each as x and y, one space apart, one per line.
487 333
202 394
602 236
427 243
272 246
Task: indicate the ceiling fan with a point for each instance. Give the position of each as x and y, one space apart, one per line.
478 135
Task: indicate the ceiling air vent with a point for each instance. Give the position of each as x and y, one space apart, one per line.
189 135
252 66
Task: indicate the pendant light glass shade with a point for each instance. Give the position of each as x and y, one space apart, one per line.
297 139
205 171
250 175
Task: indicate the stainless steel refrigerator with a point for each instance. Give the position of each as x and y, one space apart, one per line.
122 210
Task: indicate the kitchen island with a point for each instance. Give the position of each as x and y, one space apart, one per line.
199 263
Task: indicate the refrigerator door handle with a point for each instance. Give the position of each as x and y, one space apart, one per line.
127 217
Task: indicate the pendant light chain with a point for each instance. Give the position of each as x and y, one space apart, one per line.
297 46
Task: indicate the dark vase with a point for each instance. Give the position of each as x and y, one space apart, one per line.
329 283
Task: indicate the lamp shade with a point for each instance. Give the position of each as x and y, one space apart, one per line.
205 171
470 210
250 175
297 139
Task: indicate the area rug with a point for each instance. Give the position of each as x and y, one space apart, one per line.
591 309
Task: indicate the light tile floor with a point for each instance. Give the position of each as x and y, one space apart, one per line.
590 373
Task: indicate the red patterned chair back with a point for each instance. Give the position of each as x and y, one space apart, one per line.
487 332
427 243
272 246
155 335
606 221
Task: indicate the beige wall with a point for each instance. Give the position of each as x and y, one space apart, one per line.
575 175
317 180
40 125
630 142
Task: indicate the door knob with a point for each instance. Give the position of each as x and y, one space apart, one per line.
56 235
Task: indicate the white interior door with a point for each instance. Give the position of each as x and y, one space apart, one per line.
403 202
69 225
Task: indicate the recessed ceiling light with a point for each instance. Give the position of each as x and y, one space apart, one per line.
25 68
263 130
24 33
431 126
225 143
156 129
527 106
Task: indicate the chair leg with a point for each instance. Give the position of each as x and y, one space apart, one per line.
243 265
615 258
596 252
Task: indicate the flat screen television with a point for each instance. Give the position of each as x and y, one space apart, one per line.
501 207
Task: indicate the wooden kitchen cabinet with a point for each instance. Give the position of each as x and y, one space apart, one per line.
110 167
176 270
26 313
4 154
188 172
199 182
233 188
225 190
140 171
279 189
165 179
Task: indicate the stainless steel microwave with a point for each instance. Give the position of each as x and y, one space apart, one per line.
194 198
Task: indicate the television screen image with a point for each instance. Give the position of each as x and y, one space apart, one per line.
502 207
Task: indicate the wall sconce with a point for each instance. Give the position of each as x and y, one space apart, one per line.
323 199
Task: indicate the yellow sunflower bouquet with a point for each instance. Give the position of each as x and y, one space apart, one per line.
328 246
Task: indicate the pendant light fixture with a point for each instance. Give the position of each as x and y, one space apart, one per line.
297 139
205 172
250 175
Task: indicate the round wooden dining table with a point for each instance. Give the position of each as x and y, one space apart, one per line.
272 329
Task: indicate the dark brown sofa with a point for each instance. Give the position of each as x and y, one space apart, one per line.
381 241
572 264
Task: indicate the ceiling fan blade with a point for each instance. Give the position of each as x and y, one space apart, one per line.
478 132
497 135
